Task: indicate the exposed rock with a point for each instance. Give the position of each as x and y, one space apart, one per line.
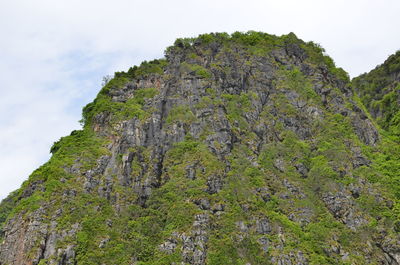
302 215
359 159
169 246
194 249
66 256
279 164
391 248
34 186
343 208
191 171
263 226
365 130
264 193
218 208
264 242
214 184
290 259
303 171
21 236
242 226
104 242
203 204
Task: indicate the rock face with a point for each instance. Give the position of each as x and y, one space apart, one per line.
234 149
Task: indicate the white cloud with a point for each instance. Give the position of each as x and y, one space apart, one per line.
54 53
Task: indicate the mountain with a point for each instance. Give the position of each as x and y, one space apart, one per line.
233 149
379 90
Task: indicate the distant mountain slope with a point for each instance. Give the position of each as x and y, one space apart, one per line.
234 149
380 92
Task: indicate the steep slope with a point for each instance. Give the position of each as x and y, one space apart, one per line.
234 149
379 90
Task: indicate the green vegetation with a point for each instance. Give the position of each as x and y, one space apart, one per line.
132 108
318 57
144 70
237 106
295 80
181 113
6 208
380 93
196 70
259 44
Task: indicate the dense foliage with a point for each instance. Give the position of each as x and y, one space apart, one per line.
379 90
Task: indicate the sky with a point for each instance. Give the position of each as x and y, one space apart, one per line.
54 53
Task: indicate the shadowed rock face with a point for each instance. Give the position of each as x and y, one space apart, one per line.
241 149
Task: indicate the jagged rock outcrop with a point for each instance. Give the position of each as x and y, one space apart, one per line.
234 149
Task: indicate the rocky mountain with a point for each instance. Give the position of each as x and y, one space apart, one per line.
233 149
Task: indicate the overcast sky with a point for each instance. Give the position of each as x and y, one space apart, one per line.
54 53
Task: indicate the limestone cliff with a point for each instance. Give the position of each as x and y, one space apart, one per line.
233 149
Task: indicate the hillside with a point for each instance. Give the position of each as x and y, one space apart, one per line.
380 92
233 149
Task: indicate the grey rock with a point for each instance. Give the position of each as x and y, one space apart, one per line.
293 189
104 242
242 226
358 158
20 237
194 249
343 208
204 204
191 171
264 193
67 256
214 184
34 186
263 226
218 208
365 130
302 169
391 248
168 246
290 259
264 242
279 164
